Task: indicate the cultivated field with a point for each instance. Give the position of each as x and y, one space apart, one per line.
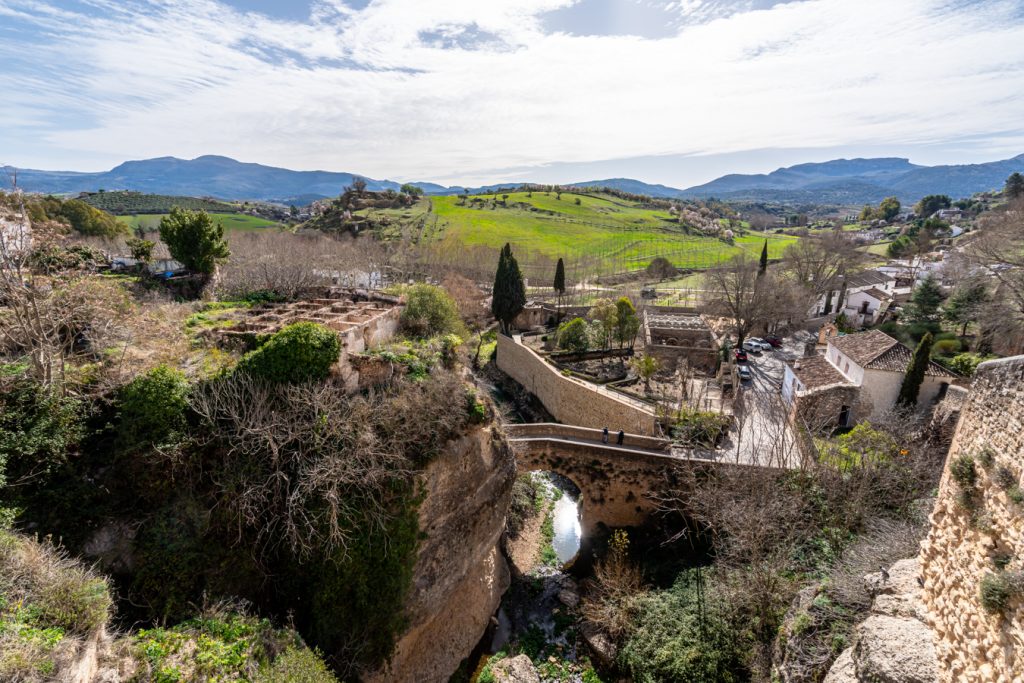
603 234
230 221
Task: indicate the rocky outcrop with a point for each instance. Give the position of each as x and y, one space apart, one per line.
515 670
894 644
460 572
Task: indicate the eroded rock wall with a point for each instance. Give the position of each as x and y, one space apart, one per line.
978 531
460 573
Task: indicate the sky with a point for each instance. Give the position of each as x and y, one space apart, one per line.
476 91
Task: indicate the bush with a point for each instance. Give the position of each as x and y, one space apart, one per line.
573 337
429 311
947 347
965 363
38 429
681 636
703 427
153 407
997 590
301 352
963 472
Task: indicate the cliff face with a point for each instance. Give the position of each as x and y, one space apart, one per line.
460 573
977 535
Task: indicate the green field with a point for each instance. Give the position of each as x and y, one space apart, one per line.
230 221
602 233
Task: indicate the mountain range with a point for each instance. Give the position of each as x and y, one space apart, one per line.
841 181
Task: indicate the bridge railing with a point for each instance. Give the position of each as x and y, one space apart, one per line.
552 429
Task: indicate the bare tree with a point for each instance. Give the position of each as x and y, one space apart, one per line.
998 250
737 293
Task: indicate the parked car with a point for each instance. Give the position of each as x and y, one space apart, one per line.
776 342
745 374
741 356
751 346
765 346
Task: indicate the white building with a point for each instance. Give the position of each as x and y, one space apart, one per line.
858 378
848 287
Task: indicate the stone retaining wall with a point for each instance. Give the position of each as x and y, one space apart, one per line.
569 400
978 531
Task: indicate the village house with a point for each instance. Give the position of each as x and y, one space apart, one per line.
845 288
857 378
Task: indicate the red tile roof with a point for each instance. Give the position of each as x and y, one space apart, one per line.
876 350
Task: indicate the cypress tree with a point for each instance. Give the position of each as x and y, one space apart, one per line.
764 260
509 295
915 373
925 303
559 285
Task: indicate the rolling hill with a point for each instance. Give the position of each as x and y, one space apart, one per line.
840 181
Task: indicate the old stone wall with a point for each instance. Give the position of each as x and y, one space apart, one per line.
571 400
460 573
977 531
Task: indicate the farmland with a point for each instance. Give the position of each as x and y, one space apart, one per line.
602 233
121 203
230 221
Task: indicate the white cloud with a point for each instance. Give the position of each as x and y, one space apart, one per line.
374 91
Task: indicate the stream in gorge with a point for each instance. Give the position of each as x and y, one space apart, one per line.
537 616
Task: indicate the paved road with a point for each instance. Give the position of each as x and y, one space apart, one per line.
761 434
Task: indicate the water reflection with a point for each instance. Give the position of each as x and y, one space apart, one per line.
566 522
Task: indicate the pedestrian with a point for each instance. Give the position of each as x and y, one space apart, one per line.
604 435
621 437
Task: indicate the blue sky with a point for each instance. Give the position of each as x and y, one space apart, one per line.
471 91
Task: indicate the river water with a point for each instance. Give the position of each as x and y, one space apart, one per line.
566 521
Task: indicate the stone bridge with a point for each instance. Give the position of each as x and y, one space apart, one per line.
614 481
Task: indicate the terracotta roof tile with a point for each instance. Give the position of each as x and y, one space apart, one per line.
876 350
815 372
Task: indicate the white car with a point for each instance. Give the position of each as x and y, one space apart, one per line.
765 346
744 372
751 346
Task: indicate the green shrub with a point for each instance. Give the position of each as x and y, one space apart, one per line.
39 428
300 352
152 408
429 311
998 589
946 347
1016 495
963 472
862 446
986 457
573 336
965 363
679 635
296 665
1006 478
700 427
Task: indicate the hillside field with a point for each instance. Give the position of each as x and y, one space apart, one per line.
610 233
230 221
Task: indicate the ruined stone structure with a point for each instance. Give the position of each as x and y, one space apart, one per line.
361 325
977 531
571 400
670 335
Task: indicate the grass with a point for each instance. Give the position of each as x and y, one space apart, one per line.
879 249
230 221
614 233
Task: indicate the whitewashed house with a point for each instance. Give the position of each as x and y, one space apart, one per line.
857 378
829 302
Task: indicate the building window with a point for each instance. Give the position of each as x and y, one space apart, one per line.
846 368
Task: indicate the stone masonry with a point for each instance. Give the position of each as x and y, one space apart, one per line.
980 533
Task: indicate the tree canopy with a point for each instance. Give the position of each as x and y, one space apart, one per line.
90 221
1015 186
925 303
195 239
932 203
430 311
911 386
509 293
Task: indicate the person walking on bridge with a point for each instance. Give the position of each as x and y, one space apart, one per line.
604 435
620 438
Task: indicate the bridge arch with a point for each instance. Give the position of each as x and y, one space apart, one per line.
614 481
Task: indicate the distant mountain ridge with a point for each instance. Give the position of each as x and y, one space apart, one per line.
840 181
859 181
